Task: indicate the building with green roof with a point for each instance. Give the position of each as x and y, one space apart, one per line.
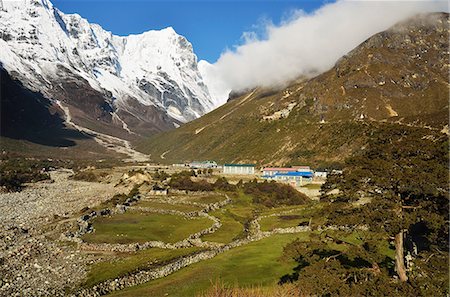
239 168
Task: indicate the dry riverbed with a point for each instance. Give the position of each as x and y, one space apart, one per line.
31 262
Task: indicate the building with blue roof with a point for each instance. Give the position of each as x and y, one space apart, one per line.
295 179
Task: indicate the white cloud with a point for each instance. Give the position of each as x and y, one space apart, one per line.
305 44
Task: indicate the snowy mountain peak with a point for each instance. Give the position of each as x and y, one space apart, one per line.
156 68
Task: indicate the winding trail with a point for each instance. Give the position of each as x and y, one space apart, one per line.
116 144
197 131
163 155
237 105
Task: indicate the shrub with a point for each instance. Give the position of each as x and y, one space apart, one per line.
184 182
273 194
160 175
14 172
222 184
88 176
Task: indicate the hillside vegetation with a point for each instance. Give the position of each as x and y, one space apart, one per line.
399 75
396 191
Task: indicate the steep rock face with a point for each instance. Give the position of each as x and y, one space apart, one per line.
138 84
396 77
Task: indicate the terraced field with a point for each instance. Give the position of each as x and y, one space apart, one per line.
282 221
230 229
167 206
179 245
130 262
286 217
141 227
255 264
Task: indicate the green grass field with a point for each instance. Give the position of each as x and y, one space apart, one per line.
231 228
357 238
255 264
166 206
294 208
233 217
205 199
284 221
290 216
304 210
243 208
138 227
128 263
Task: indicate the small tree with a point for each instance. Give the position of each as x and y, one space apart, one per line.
404 171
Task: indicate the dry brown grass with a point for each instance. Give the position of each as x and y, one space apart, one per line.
220 290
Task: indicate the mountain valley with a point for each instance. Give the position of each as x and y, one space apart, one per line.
124 173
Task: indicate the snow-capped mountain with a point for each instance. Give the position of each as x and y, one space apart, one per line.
139 83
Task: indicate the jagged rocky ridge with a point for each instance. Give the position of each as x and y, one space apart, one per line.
123 86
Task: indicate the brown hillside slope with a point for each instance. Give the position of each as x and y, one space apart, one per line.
396 76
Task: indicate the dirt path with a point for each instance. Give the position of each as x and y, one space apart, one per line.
197 131
163 155
110 142
237 105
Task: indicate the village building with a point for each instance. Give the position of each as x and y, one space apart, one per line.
295 179
202 164
238 168
270 171
296 176
320 174
302 168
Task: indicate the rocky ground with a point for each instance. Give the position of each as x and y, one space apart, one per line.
31 262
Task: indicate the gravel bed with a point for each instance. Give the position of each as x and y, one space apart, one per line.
31 262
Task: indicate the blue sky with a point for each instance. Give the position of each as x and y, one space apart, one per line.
211 26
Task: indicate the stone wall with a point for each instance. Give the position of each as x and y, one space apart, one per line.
254 233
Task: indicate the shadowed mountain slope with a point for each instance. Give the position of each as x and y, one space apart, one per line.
29 116
31 125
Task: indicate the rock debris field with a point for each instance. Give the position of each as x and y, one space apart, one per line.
31 263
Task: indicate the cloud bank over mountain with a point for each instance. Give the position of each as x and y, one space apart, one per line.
305 44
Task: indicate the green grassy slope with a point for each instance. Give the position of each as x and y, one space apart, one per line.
254 264
236 132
